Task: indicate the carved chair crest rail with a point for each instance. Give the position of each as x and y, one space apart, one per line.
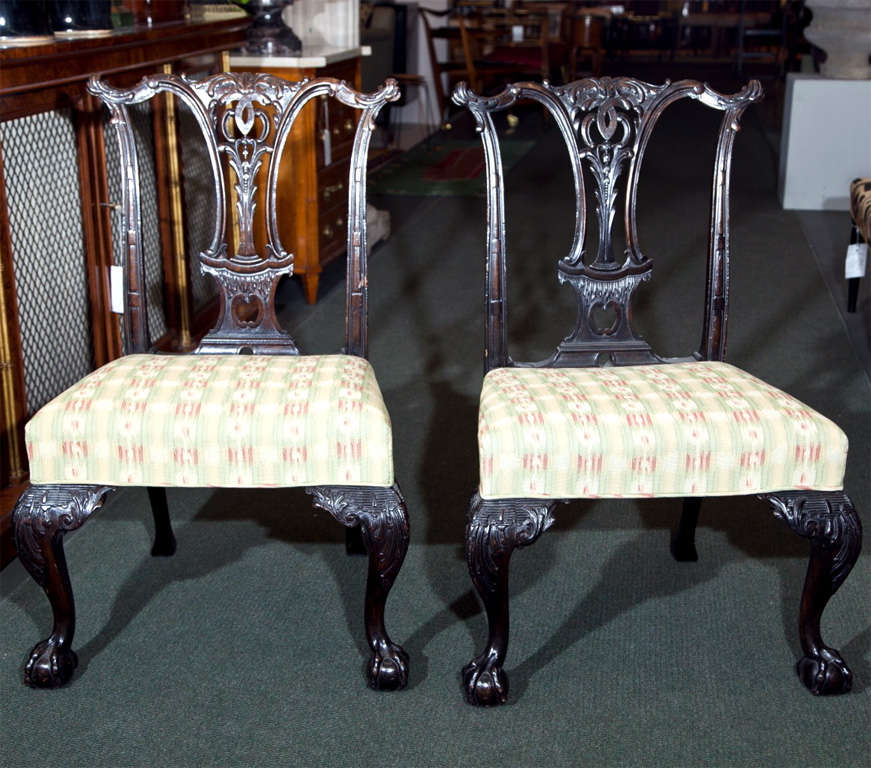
604 415
272 417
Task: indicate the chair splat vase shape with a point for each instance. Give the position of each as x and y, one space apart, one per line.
218 418
604 415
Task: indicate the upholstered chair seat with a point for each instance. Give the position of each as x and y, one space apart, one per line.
682 429
217 420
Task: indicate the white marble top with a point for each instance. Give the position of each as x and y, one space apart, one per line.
311 56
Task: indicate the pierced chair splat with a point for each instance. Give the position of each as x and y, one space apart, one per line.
268 418
604 415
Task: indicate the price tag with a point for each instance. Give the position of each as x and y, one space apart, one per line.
856 261
116 289
325 135
517 33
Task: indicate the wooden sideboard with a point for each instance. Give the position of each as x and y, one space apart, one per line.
314 172
68 240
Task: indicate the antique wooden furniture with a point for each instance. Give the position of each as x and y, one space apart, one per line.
454 66
605 416
860 236
317 163
247 410
584 32
494 51
54 177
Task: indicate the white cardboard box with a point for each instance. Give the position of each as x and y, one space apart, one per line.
825 142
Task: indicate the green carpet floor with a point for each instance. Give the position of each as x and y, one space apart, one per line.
246 648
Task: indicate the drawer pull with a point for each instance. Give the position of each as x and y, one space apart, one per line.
349 125
328 231
331 189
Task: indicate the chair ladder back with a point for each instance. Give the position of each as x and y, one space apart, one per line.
247 118
606 124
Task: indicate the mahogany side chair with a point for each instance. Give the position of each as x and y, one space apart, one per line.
246 410
605 416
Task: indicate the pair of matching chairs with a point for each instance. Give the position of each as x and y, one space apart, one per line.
604 416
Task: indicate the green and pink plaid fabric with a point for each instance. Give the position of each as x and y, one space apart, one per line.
217 420
684 429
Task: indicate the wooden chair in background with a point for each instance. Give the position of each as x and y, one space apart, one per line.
454 66
246 410
644 426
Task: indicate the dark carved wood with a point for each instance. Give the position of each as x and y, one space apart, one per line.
683 543
42 515
383 523
247 119
494 530
829 520
606 124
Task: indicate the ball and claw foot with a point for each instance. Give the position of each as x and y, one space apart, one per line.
388 668
49 665
827 675
485 683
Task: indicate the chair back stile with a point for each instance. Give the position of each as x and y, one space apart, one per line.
606 124
247 118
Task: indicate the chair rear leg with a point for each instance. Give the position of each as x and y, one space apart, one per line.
495 529
829 520
164 539
683 542
42 515
383 522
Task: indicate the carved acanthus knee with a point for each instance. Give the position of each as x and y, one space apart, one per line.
44 512
829 520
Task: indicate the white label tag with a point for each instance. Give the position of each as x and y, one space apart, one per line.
325 135
517 33
328 149
857 259
116 289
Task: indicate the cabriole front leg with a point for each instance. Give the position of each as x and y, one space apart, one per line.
42 515
381 516
829 520
495 529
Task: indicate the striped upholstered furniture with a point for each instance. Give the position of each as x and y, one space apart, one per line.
860 235
246 410
604 416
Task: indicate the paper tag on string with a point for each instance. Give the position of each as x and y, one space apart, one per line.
116 289
856 261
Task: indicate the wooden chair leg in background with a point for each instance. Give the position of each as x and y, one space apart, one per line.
683 543
164 539
853 282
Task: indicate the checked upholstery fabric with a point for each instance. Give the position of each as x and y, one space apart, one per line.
682 429
217 420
